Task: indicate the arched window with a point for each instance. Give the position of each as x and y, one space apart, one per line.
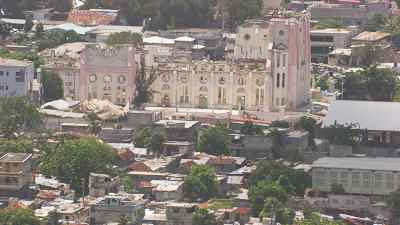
278 81
283 79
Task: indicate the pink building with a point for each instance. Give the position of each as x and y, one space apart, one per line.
107 73
290 60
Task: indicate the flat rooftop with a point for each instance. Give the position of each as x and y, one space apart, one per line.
174 123
15 63
330 31
370 36
379 163
15 157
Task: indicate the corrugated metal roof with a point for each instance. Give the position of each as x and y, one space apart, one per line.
379 164
371 115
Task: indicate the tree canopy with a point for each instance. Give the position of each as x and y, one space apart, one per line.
151 138
72 161
163 14
20 216
214 140
249 128
18 114
274 208
124 38
53 87
372 84
200 184
293 181
308 124
203 217
262 190
21 144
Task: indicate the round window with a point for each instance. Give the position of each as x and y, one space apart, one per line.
92 78
107 78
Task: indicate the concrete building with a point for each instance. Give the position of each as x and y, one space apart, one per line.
110 209
15 174
102 184
368 176
107 73
64 61
252 40
349 13
18 78
166 190
277 77
94 71
324 41
180 213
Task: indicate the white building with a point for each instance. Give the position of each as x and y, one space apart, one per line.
18 78
369 176
270 70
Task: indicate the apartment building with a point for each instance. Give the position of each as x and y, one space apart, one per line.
18 78
15 173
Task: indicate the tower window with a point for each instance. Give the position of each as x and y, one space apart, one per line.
278 80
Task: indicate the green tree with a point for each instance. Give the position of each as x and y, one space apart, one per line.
308 124
214 140
393 202
143 82
249 128
156 141
273 208
293 181
203 217
18 114
31 56
53 218
53 87
200 184
18 216
280 124
342 134
28 24
94 123
259 192
329 23
128 183
240 10
39 31
22 144
375 23
125 38
143 137
73 160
